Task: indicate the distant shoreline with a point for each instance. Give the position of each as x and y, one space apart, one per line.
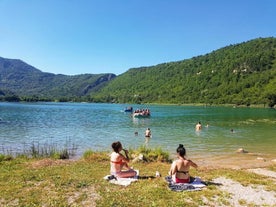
213 105
164 104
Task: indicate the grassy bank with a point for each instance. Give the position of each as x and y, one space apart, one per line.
54 182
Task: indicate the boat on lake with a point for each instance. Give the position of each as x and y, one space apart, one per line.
141 113
128 109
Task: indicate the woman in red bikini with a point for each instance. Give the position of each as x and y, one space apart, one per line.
180 167
118 162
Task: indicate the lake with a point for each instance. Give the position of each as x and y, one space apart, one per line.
96 126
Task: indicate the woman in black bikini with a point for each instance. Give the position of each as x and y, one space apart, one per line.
180 167
118 162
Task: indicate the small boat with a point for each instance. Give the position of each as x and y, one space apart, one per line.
141 113
128 109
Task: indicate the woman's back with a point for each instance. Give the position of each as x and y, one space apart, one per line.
182 168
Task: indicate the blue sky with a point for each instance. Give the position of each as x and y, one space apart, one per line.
111 36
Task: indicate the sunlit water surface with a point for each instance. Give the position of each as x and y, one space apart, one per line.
95 126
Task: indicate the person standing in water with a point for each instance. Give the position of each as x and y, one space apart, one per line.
147 134
198 126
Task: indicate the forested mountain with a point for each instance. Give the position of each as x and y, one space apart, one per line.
20 79
243 73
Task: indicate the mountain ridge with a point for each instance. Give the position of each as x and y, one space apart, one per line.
21 79
242 73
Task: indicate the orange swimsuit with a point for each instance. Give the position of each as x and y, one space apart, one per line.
117 162
121 162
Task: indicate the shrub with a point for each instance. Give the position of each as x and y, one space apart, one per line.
48 151
151 155
5 157
90 155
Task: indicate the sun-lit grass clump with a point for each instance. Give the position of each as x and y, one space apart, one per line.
142 154
37 150
151 154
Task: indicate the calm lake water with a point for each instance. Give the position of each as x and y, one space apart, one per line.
96 126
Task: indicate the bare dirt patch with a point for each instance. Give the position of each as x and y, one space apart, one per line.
265 172
251 195
87 195
49 162
236 161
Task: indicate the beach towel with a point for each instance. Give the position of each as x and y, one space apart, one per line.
120 181
195 185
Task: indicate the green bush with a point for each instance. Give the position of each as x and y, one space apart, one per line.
151 155
5 157
90 155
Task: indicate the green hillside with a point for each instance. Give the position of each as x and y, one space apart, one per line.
244 73
241 74
18 79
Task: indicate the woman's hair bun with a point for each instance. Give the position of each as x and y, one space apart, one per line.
181 145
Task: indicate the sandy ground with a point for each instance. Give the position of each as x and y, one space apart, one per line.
252 195
237 161
264 172
246 195
240 195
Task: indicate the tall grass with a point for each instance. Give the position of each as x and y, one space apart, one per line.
90 155
36 150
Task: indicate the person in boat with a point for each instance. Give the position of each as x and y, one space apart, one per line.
180 168
146 112
118 162
142 112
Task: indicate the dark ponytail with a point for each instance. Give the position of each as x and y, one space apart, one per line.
116 146
181 150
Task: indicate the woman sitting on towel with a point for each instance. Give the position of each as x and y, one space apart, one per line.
180 167
118 161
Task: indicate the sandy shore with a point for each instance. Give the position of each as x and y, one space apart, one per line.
251 194
255 195
236 161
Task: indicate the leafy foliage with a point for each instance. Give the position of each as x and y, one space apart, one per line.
151 154
238 74
20 79
241 74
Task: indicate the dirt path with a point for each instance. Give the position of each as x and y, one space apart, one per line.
246 195
265 172
254 195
